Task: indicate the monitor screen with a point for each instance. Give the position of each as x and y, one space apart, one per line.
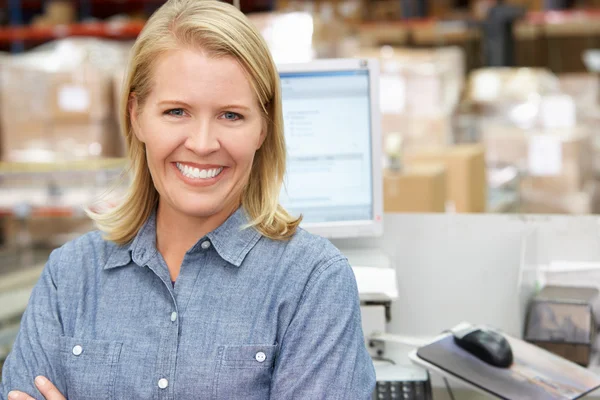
328 125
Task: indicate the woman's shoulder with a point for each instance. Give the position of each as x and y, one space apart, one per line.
92 241
308 250
305 260
88 251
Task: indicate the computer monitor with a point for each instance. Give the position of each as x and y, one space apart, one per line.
333 137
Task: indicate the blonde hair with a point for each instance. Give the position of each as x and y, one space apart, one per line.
219 29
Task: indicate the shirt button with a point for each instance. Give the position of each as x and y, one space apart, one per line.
205 245
260 357
77 350
173 316
163 383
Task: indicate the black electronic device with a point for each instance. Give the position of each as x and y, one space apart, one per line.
402 382
487 345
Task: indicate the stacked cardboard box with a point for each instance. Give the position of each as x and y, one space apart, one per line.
57 12
558 164
48 232
50 113
490 88
419 188
419 92
466 174
583 87
531 119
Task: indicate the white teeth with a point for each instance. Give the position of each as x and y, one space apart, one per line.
197 173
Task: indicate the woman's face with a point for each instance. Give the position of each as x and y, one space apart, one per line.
201 125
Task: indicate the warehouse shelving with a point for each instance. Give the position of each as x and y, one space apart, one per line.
44 189
96 29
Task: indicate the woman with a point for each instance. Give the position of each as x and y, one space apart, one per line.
200 286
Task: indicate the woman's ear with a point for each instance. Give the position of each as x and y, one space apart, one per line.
134 111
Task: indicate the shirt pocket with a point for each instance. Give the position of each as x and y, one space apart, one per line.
244 372
89 367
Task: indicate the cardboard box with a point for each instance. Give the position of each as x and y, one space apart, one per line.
466 169
29 93
59 12
514 85
36 141
419 132
418 82
26 141
86 141
583 87
33 102
555 161
24 92
83 96
46 231
418 189
583 202
440 8
420 89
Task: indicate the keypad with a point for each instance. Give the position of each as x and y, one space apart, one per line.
417 390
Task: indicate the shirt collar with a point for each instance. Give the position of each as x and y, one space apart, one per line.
232 241
139 250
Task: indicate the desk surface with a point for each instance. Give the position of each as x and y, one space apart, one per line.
399 353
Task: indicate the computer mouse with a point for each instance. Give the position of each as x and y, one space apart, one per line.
487 345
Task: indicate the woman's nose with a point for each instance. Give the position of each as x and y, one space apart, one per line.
202 139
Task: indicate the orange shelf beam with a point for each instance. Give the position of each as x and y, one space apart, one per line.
97 29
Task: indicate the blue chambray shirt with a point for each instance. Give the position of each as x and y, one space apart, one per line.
248 318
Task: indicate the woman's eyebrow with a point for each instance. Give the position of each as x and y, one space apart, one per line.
235 106
173 102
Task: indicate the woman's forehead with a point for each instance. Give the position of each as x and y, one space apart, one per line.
193 76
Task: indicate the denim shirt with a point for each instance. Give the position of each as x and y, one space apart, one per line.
248 318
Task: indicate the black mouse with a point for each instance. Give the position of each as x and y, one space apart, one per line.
487 345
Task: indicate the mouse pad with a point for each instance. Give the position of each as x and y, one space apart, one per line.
535 373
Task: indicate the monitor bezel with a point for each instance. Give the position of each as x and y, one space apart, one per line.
358 228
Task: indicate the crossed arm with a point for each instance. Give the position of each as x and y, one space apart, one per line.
46 388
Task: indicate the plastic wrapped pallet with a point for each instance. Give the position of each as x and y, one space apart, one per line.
494 86
419 92
555 161
583 87
581 202
419 81
531 119
289 35
419 132
53 88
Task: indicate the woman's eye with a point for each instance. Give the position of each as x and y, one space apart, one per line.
231 116
176 112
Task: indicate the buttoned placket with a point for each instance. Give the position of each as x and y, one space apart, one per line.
167 353
167 346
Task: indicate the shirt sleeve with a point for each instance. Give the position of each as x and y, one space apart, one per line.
322 354
35 351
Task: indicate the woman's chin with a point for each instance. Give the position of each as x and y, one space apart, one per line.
200 207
